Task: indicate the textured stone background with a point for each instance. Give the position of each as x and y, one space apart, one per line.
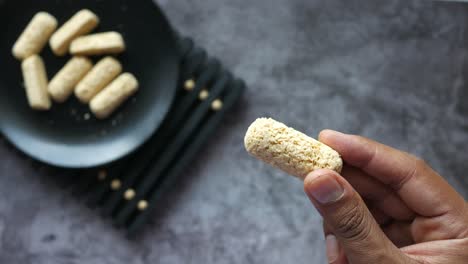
392 70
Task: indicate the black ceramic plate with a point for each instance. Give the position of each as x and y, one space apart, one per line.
64 136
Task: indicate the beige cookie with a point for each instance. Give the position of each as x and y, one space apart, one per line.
97 78
98 44
113 95
35 82
83 22
288 149
64 82
35 35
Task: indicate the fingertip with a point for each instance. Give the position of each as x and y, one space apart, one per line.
332 248
316 174
312 176
353 149
324 134
323 186
331 137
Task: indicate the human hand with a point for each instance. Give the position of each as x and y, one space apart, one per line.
387 206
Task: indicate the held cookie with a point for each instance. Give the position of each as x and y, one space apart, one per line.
289 150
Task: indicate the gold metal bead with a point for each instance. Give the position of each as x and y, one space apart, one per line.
129 194
102 175
142 205
216 105
115 184
203 94
189 85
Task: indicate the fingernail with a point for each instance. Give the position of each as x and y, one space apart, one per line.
333 133
333 248
324 188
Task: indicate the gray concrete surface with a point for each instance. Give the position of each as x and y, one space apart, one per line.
393 70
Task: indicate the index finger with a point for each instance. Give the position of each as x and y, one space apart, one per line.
421 188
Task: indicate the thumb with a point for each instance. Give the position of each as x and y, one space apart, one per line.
348 218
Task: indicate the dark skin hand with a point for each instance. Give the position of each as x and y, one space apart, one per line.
387 206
